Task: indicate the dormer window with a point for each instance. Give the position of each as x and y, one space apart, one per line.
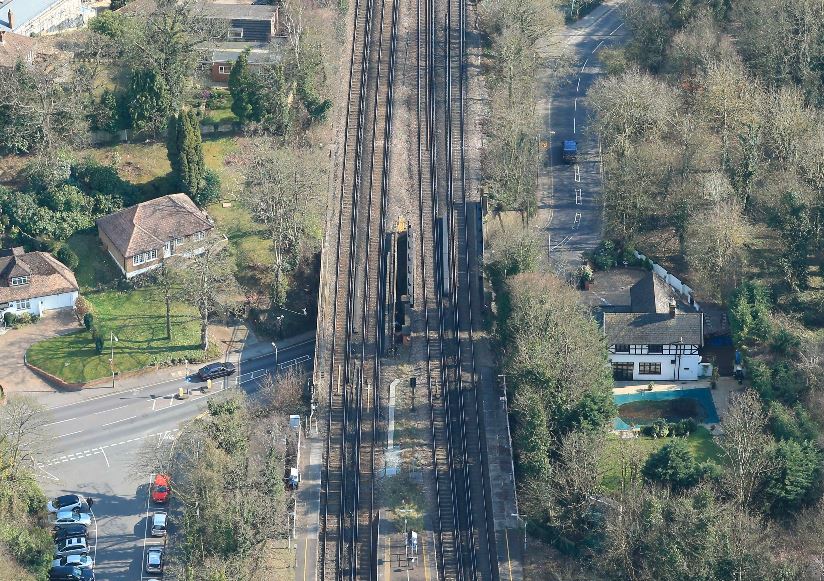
19 280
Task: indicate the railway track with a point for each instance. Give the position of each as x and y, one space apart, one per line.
348 527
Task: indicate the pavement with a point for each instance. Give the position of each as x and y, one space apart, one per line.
96 435
570 206
15 377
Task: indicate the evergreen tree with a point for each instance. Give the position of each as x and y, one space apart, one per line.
796 225
185 151
795 472
242 86
149 101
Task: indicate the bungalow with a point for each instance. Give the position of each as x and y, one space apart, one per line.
141 237
659 339
34 282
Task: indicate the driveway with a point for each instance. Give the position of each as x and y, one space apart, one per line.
15 377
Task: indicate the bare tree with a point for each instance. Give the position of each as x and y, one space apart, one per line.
207 281
283 194
747 446
22 434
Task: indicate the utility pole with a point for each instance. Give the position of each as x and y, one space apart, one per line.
112 340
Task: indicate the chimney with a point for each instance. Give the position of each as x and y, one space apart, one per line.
672 308
11 20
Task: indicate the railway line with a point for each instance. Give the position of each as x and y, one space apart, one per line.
348 535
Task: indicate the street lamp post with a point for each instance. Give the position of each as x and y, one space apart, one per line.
275 345
522 518
112 340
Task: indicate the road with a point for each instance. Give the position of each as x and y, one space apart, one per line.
95 441
576 224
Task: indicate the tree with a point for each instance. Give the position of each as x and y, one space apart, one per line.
715 241
149 102
23 435
674 465
244 90
531 437
208 282
747 447
282 193
796 225
184 149
797 467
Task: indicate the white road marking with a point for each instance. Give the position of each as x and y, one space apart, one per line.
616 30
578 86
170 434
597 47
578 195
60 422
577 173
106 458
573 125
576 103
577 221
118 421
69 434
584 65
154 402
111 410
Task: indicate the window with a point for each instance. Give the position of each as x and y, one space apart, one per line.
137 259
151 255
19 280
223 69
622 348
649 369
23 305
655 348
199 236
179 241
235 33
622 371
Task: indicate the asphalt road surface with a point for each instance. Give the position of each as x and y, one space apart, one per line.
95 445
576 205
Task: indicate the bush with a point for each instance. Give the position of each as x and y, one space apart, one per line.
9 319
210 191
684 427
605 255
81 307
24 318
88 321
96 178
67 256
98 344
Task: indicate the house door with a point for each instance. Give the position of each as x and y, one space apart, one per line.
167 249
622 371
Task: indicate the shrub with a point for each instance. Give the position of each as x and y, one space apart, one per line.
96 178
67 256
210 191
684 427
88 321
98 344
94 332
81 307
9 319
24 318
605 255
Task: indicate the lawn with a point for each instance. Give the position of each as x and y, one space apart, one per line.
700 443
96 268
137 319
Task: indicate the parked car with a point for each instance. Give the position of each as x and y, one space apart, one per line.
161 489
71 546
69 573
159 524
214 370
153 561
79 561
72 517
68 531
67 502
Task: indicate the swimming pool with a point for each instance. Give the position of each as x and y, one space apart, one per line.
702 396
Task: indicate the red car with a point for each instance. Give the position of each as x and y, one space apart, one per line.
161 489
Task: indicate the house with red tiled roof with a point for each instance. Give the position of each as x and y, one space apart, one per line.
141 237
34 282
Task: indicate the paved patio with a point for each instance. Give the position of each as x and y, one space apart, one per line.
15 377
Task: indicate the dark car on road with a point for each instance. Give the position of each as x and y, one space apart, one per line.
69 573
215 370
153 561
